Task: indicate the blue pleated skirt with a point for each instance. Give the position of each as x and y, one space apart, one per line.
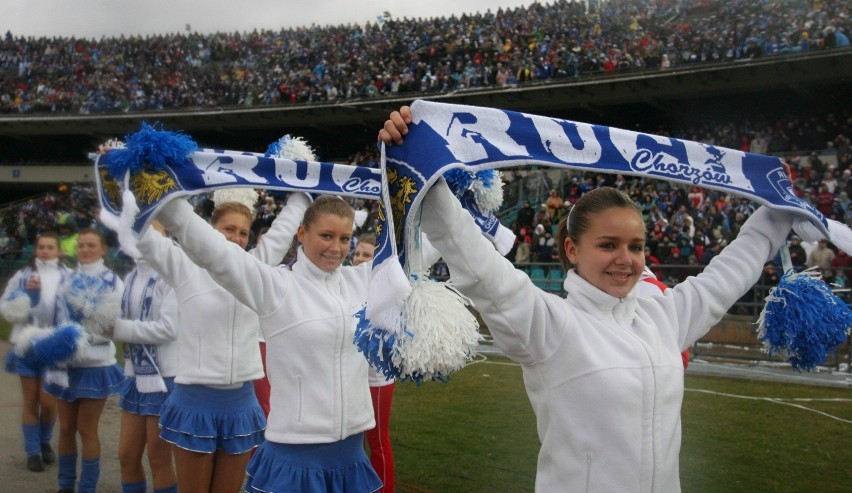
339 467
204 419
97 382
143 404
17 365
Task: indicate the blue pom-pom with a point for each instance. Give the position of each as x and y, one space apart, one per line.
149 148
459 180
487 177
803 320
379 347
57 348
376 344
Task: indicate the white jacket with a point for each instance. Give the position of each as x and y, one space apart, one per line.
217 340
604 374
158 327
52 275
318 378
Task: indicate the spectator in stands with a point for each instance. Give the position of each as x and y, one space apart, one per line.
526 214
822 256
798 256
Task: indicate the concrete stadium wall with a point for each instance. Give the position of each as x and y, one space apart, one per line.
45 174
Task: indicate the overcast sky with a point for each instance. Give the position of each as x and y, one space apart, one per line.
96 18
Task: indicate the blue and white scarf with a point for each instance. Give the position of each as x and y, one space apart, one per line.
444 137
143 357
450 141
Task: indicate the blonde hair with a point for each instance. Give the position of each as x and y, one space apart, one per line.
226 208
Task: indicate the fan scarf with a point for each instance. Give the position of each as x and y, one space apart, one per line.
444 139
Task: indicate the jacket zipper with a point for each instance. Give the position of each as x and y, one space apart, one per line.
588 471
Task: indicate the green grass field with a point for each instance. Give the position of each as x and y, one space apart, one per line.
477 434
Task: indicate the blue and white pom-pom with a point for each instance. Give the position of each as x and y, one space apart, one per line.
290 147
149 148
92 302
486 185
46 348
16 309
803 320
446 335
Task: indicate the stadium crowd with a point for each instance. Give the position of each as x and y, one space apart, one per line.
557 40
687 225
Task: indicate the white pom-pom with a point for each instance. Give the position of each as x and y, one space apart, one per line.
245 196
23 340
16 310
92 303
104 315
56 377
289 147
360 217
488 196
389 287
442 334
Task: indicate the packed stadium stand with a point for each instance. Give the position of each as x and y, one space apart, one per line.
771 77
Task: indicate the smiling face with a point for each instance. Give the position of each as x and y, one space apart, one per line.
325 240
90 248
610 253
235 227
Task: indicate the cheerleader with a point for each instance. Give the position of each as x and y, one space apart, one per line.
381 393
149 326
30 299
320 395
91 377
212 417
602 366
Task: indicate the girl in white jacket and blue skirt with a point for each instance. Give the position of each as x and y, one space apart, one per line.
30 300
94 374
602 367
320 399
148 325
212 417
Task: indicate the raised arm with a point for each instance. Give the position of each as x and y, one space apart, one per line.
517 313
250 280
701 301
274 244
162 329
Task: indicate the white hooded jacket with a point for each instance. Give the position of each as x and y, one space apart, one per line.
217 341
319 383
604 374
